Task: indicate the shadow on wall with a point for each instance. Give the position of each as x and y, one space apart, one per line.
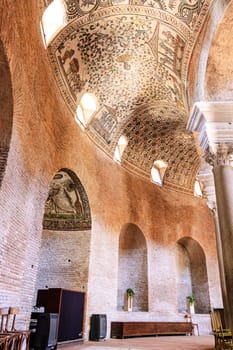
6 110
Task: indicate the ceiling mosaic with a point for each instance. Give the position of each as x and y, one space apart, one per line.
133 56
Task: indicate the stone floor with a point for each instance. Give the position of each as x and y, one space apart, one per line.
149 343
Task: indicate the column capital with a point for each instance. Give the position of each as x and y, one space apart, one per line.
223 154
214 123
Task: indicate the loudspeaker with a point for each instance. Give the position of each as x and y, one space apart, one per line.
43 328
98 328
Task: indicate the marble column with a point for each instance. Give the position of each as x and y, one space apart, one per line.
214 123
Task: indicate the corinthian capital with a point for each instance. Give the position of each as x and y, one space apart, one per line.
222 154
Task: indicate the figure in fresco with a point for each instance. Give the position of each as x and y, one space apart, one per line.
63 196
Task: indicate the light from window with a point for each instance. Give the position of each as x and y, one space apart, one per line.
197 189
53 19
122 143
158 171
85 110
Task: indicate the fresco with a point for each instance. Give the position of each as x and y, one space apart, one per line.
67 206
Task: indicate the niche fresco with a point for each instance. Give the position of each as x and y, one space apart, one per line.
67 206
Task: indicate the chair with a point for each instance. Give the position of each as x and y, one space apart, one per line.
222 336
10 338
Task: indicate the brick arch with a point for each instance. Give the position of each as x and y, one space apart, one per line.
132 267
6 110
192 278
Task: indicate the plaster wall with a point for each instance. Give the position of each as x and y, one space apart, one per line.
46 138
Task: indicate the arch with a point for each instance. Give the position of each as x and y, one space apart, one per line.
66 236
67 206
192 278
132 267
6 109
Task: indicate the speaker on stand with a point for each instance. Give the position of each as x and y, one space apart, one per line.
98 328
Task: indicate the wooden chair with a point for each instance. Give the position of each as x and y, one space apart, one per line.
222 336
4 319
11 338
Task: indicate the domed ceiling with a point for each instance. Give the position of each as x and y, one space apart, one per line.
133 56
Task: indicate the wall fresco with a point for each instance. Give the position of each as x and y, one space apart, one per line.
67 206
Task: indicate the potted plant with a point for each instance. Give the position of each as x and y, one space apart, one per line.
129 299
190 304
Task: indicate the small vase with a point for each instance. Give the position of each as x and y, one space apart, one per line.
128 303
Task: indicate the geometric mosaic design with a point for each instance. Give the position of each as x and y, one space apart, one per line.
133 55
158 133
67 206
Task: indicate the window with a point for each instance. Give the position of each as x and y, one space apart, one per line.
122 143
158 171
85 110
53 19
198 188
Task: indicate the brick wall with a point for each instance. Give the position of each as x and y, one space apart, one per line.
45 138
64 260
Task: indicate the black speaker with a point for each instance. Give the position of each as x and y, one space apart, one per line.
98 328
43 331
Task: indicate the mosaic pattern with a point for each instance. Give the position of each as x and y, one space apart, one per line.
186 10
158 133
133 55
67 206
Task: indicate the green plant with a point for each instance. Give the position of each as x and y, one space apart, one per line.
191 299
130 292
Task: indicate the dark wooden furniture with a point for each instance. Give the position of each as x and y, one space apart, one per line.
136 329
69 305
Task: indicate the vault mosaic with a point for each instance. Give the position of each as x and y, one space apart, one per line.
158 133
67 206
133 55
186 10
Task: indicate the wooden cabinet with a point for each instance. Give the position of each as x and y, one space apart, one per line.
134 329
69 305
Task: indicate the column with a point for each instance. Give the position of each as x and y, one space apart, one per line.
214 123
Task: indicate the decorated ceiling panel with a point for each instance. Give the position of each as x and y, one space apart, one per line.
133 57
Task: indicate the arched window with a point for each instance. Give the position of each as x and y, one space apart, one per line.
53 19
198 188
86 109
122 143
158 171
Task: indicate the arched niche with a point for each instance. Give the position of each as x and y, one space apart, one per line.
65 246
6 110
132 267
192 276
